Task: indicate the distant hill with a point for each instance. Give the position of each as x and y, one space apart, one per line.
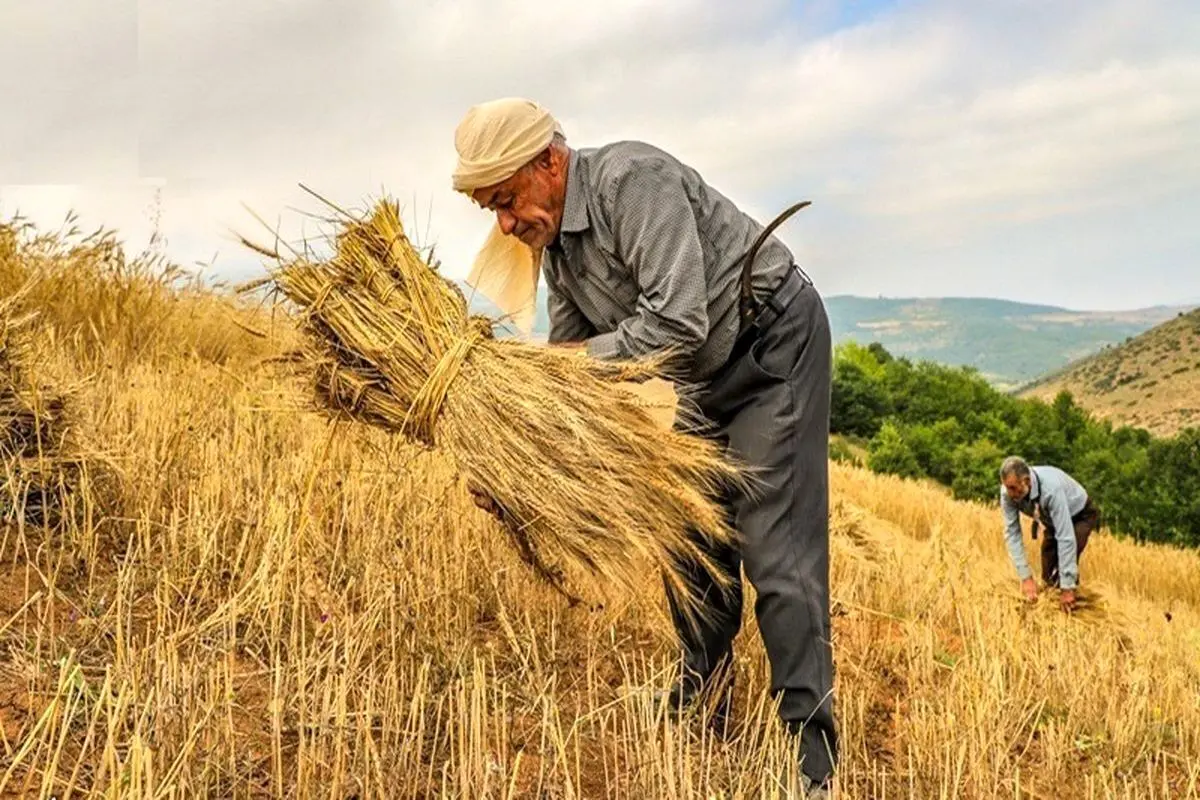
1151 381
1009 343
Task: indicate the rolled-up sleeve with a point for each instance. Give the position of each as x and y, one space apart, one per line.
1013 537
655 233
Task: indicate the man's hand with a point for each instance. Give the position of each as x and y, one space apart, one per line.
1066 598
1030 589
580 347
485 502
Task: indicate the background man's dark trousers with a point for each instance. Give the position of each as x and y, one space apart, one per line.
1086 521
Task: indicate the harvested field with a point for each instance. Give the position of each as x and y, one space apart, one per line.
277 604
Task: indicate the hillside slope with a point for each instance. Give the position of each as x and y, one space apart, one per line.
268 604
1151 381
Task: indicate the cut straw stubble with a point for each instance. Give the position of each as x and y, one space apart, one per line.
583 474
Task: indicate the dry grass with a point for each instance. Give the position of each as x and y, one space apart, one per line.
282 606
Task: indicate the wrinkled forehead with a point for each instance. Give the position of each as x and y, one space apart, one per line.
489 196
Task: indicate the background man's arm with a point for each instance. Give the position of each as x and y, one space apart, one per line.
1013 538
656 235
1064 534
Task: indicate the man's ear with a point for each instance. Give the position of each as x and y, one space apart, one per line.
546 160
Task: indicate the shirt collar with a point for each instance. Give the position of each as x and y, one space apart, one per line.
575 211
1035 487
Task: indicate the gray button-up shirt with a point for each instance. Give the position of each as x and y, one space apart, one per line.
1061 498
649 257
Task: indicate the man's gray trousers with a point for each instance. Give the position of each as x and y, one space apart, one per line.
770 405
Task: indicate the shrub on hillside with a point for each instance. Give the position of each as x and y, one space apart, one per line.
933 445
975 471
842 453
891 455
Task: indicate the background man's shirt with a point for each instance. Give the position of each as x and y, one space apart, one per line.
1061 497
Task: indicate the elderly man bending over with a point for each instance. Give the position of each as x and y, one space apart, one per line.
1056 501
640 255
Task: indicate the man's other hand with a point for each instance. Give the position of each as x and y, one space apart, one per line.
1066 599
485 502
1030 589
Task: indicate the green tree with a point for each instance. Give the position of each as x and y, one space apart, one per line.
879 352
891 455
988 425
1038 438
1172 504
859 402
933 446
976 471
927 393
1070 418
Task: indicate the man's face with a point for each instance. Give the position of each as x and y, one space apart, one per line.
529 204
1016 487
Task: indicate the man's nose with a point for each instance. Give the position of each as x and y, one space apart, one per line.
507 222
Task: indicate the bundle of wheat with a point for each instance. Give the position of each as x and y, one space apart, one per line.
583 475
42 467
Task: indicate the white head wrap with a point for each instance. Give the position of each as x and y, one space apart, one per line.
494 140
497 138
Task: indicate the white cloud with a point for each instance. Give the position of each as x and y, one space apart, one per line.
70 110
1015 148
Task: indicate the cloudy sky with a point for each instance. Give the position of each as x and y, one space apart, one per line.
1027 149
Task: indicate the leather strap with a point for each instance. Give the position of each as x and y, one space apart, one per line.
747 306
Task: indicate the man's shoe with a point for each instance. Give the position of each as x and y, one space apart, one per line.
690 693
682 696
811 791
